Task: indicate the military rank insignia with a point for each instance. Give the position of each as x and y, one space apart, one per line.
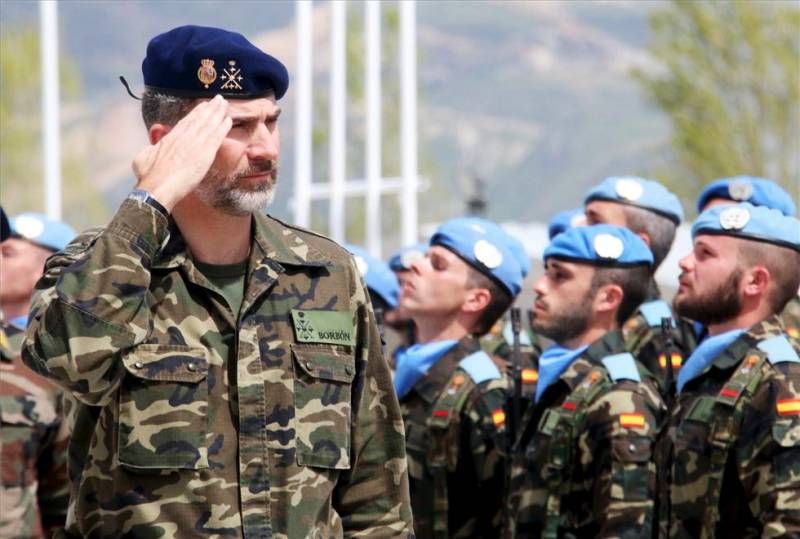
232 76
206 73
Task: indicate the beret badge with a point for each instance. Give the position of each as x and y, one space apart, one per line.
487 254
734 218
740 190
232 77
629 189
206 73
608 246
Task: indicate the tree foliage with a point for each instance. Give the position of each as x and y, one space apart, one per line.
728 77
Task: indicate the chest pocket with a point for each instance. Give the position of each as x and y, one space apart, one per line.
163 408
323 378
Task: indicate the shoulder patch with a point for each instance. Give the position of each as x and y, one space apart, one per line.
480 367
654 311
779 350
622 367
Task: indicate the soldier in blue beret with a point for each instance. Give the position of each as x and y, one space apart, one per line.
35 432
731 443
451 392
597 410
404 332
228 365
651 211
564 220
758 192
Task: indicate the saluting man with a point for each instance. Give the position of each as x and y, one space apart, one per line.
652 212
583 466
228 365
451 392
732 450
758 192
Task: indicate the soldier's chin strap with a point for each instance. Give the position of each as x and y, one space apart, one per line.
128 88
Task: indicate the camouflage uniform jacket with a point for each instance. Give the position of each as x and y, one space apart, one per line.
740 418
583 466
279 422
644 339
34 493
791 318
455 442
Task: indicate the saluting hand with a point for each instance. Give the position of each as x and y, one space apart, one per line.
171 168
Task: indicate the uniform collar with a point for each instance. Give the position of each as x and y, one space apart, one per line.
733 354
430 386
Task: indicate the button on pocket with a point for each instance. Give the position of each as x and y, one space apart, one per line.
163 408
323 376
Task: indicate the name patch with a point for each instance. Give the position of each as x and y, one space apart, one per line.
329 327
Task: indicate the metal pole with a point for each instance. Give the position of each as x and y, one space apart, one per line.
408 119
303 118
338 104
51 144
372 28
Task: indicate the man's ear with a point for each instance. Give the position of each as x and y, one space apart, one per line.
756 281
645 239
608 298
157 132
477 299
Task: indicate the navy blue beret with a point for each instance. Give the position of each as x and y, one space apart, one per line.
756 191
487 248
380 280
200 61
564 220
758 223
402 259
600 245
640 192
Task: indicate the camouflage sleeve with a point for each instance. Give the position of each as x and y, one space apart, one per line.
53 490
91 304
615 449
768 453
373 496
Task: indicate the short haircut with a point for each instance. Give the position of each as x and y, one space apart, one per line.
634 282
498 304
658 228
782 264
164 109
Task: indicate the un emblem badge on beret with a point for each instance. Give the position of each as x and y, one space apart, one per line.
740 190
734 218
409 257
629 189
28 227
487 254
206 72
608 246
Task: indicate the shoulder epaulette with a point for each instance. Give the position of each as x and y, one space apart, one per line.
622 367
480 367
779 350
304 230
654 311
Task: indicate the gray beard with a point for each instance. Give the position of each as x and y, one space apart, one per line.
224 194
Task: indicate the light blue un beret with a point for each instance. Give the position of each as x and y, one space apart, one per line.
45 232
487 248
756 191
600 245
378 277
564 220
744 220
402 259
639 192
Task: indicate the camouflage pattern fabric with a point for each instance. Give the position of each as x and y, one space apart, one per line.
195 422
752 405
474 441
791 318
648 345
34 492
501 351
585 453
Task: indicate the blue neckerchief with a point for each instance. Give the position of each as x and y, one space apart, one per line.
20 322
414 361
552 363
705 353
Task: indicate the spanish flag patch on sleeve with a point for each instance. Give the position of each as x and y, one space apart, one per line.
631 420
530 376
788 407
499 417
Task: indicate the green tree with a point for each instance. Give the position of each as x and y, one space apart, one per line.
21 169
728 78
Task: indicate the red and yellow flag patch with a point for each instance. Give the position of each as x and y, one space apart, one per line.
631 420
788 407
530 376
677 360
499 417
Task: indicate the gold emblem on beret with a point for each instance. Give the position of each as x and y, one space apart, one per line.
487 254
232 77
608 246
629 189
740 190
733 218
206 72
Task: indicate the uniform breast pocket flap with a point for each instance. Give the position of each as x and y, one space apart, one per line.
163 408
323 377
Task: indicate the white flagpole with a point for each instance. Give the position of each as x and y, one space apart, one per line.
338 110
372 42
408 119
51 144
303 123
